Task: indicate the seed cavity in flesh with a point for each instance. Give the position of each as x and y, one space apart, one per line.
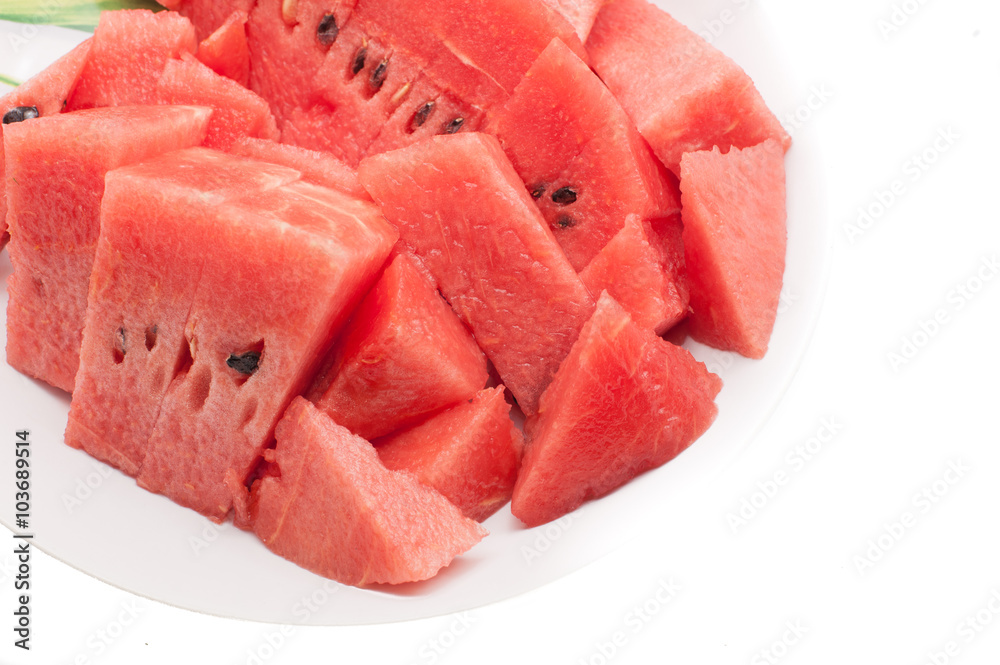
378 75
421 115
120 346
327 30
564 196
245 363
20 114
565 222
537 191
359 60
454 125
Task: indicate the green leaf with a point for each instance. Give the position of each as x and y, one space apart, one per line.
78 14
9 81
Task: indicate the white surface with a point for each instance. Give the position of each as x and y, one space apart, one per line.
795 561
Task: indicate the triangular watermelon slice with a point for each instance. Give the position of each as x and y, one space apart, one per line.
734 244
43 95
470 453
624 401
330 506
683 93
226 52
579 154
403 355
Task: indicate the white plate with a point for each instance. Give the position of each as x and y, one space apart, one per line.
97 520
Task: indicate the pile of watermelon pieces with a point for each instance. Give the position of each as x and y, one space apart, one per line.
303 263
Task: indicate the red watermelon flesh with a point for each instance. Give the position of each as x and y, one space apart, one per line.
624 401
332 508
734 243
580 13
470 453
316 167
237 111
46 93
403 355
579 154
284 262
129 51
208 15
646 277
138 352
461 208
55 168
683 94
225 51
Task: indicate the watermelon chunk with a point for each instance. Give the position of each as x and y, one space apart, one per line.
207 16
331 507
238 112
461 208
683 94
244 328
316 167
55 169
581 157
226 52
470 453
45 94
581 14
403 355
643 269
129 51
624 401
734 243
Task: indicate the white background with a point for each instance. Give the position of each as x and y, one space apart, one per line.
848 561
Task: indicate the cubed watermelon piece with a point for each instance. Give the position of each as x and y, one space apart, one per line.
129 51
208 15
267 265
319 168
579 154
624 401
403 355
683 93
55 168
461 208
332 508
470 453
643 269
734 244
238 111
42 95
225 51
581 14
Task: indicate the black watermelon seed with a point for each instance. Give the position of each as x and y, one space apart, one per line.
564 196
565 222
327 30
20 114
245 363
537 191
359 60
378 74
454 125
421 115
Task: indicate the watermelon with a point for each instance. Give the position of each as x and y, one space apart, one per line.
130 49
683 94
581 14
643 269
470 453
207 16
42 95
212 345
318 168
734 244
55 168
583 161
238 112
460 206
403 356
624 401
226 52
331 507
